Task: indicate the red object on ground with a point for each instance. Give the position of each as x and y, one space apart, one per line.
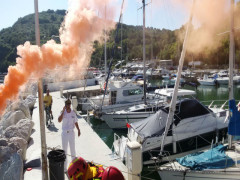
77 169
112 173
29 169
128 125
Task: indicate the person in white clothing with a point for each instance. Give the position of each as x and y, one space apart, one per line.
69 120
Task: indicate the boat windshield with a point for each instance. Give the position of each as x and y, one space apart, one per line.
131 92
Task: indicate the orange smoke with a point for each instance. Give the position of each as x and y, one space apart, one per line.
81 27
210 17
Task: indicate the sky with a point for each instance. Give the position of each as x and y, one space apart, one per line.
161 15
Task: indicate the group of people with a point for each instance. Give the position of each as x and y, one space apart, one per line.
69 121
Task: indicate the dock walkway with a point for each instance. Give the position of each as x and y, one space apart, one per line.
89 145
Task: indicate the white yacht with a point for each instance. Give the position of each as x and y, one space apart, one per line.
139 72
224 80
206 81
173 80
120 95
138 112
194 126
149 72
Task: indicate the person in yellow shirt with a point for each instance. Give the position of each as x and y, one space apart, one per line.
48 102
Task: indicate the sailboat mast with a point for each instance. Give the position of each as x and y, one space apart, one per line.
144 54
105 46
121 43
174 97
231 53
231 60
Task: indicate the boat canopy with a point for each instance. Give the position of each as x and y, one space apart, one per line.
214 158
155 125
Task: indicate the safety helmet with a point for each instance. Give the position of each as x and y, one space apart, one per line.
112 173
77 169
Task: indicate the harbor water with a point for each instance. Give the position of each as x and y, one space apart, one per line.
205 94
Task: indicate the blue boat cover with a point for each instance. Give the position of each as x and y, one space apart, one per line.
214 158
234 123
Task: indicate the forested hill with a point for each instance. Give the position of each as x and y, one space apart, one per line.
160 44
24 30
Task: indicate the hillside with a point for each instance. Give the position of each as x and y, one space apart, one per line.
24 30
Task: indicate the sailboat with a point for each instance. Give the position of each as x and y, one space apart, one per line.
220 162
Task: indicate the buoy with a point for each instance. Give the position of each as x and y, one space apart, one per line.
112 173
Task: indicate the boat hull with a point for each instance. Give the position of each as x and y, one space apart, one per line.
207 82
186 145
119 121
198 175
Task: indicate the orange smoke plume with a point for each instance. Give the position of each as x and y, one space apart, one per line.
81 27
210 17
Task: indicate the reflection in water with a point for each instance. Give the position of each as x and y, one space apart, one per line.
222 91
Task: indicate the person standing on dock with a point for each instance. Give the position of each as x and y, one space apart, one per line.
69 119
48 102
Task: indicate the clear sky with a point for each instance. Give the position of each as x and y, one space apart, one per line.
163 15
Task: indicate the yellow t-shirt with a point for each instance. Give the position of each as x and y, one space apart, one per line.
47 100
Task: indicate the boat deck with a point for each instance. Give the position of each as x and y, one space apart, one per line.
89 145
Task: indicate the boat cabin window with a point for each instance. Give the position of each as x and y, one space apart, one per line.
132 92
113 97
149 109
188 108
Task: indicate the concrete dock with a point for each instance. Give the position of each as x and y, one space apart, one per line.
89 145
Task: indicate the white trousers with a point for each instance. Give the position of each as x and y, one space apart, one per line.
68 137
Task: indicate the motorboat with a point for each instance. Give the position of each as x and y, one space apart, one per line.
121 94
149 72
194 126
223 80
173 80
121 119
206 81
138 112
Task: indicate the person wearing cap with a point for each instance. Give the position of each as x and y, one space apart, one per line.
69 120
48 102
